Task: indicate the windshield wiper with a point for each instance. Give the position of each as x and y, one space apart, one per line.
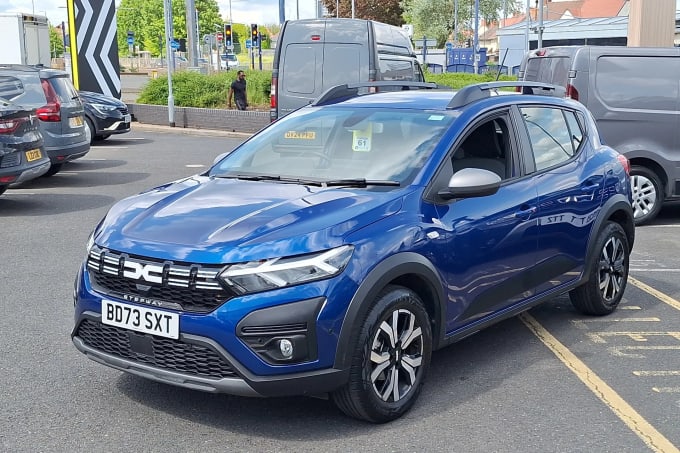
359 182
314 182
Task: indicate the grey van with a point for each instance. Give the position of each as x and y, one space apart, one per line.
634 95
313 55
57 105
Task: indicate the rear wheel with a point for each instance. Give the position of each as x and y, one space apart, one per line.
647 194
54 169
3 189
391 356
603 291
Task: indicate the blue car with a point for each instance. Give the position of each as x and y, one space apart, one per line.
334 250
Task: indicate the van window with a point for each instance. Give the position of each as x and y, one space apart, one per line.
548 70
396 69
644 83
341 64
551 140
299 69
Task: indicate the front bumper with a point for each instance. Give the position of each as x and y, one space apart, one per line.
235 379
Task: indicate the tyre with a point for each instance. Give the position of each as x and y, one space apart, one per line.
54 169
3 189
603 291
92 129
647 194
390 358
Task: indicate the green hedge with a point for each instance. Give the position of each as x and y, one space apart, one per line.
192 89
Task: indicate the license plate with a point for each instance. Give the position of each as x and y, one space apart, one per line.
75 121
33 154
128 118
140 319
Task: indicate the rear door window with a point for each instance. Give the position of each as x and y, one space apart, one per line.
553 70
299 68
342 64
393 69
550 131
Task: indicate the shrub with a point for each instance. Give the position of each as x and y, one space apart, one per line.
457 80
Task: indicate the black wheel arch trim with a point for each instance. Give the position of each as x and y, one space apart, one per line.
618 202
391 269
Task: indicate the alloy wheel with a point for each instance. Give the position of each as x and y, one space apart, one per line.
644 195
396 356
612 268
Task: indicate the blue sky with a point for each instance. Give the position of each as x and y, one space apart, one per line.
244 11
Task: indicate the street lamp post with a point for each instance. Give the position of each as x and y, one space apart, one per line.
167 13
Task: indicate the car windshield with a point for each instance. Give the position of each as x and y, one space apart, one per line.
335 145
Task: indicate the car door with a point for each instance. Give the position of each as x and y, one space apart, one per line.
490 243
569 185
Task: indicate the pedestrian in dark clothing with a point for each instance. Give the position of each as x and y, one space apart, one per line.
237 91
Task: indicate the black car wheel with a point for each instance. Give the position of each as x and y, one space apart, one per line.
54 169
391 356
647 194
603 291
3 189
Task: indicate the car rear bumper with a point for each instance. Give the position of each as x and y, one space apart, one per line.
61 154
33 172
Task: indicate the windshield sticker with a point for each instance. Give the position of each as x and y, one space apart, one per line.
361 139
435 117
301 135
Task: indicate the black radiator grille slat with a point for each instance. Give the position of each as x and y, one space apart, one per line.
192 287
168 354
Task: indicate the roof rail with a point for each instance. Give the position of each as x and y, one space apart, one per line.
349 90
472 93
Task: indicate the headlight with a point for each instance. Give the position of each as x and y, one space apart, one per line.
104 109
90 242
275 273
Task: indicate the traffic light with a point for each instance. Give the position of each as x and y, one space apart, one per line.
227 35
253 33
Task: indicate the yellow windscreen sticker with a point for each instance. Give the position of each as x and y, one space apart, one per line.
361 139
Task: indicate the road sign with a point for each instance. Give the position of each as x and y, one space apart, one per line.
426 43
174 44
449 46
130 40
249 43
220 36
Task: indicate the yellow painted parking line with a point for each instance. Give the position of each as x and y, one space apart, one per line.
658 294
600 337
635 422
620 351
657 373
666 389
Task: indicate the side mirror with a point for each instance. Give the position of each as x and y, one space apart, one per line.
470 183
219 158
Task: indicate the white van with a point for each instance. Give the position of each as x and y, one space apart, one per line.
313 55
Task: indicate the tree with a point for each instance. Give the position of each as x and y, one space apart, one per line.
435 18
145 18
56 42
388 11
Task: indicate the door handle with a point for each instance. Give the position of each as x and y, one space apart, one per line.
526 211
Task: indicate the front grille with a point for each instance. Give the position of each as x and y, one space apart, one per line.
123 110
168 354
10 160
189 287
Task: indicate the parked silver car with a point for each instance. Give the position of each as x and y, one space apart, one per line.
57 105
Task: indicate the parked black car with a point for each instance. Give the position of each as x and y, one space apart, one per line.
22 152
104 115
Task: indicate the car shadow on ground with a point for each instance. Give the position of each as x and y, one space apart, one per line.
459 373
669 214
83 174
113 142
39 205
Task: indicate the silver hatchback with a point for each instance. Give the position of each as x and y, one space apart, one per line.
57 105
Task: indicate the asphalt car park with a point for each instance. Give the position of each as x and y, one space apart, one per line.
516 386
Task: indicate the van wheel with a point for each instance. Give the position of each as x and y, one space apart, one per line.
390 358
647 194
54 169
603 291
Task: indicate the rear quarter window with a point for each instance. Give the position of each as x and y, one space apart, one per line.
640 83
64 88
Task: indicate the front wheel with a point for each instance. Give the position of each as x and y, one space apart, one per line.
603 291
391 356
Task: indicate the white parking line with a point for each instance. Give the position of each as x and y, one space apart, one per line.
195 166
653 270
658 294
666 389
109 147
657 373
620 351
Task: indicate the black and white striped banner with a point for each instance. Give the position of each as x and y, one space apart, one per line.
94 47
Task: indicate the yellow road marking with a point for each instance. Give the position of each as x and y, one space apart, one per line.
635 422
630 307
658 294
657 373
582 323
599 337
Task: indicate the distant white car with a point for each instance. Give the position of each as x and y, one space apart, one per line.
229 61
